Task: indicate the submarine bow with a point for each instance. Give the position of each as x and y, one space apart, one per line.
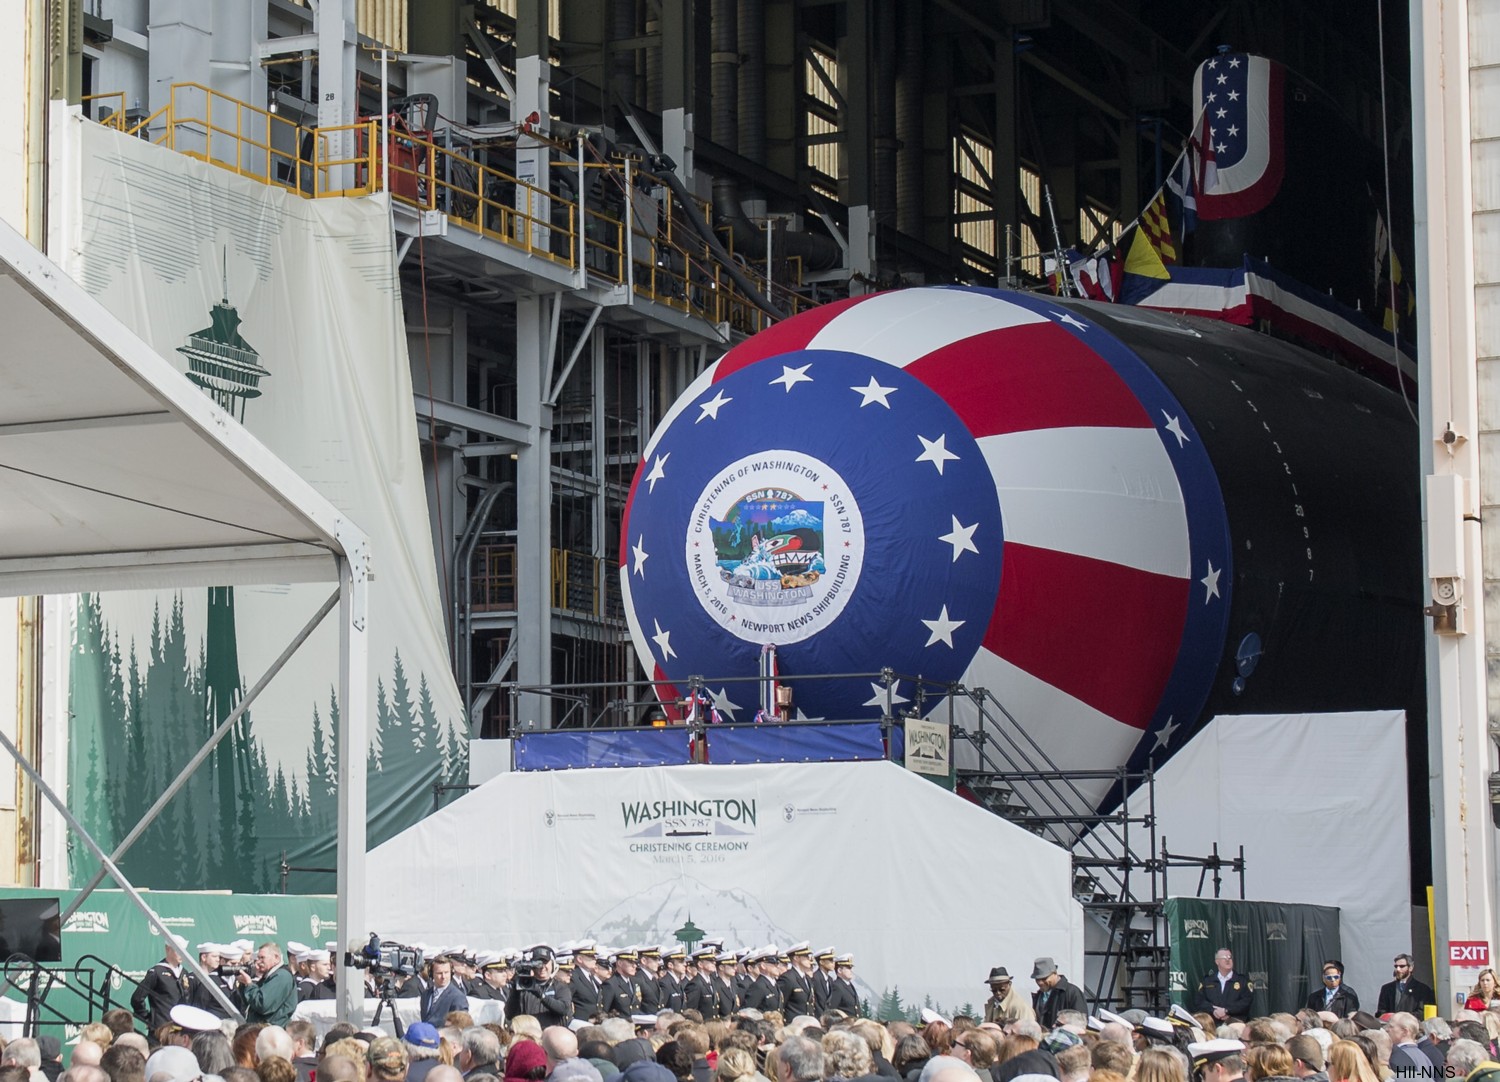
1117 522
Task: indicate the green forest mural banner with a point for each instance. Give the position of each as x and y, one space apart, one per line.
285 311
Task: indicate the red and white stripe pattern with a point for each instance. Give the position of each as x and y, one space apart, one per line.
1096 578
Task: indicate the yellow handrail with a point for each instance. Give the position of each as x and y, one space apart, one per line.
670 265
114 118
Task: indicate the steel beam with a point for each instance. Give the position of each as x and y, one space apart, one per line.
166 933
353 744
472 420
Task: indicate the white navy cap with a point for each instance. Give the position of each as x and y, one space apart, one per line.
195 1018
1206 1052
1156 1027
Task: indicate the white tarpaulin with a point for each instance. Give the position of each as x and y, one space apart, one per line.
1319 803
927 890
283 312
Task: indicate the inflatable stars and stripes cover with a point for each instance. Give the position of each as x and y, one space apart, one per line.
953 483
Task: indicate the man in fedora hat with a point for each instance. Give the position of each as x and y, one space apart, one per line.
1054 993
1006 1005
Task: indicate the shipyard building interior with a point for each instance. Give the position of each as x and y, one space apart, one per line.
595 199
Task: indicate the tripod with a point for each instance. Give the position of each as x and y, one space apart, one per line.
386 991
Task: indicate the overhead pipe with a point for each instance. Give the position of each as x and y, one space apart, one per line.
667 175
654 67
751 38
882 59
817 253
909 123
724 73
622 64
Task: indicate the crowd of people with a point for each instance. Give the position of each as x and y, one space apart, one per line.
576 981
1046 1036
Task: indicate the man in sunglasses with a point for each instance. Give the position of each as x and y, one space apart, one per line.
1405 994
1334 996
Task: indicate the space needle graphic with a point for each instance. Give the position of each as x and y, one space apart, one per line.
228 368
221 361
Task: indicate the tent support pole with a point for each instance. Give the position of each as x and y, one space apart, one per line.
353 745
203 753
189 959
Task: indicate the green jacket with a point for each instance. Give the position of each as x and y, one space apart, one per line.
272 999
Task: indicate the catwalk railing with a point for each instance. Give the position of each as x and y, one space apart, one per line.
593 219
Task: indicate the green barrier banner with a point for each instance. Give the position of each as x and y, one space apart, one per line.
108 928
1280 947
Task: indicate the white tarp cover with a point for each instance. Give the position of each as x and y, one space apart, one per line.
286 310
1319 803
927 890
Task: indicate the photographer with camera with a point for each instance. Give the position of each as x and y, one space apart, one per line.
272 996
537 991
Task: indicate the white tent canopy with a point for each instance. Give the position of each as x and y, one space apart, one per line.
116 472
927 890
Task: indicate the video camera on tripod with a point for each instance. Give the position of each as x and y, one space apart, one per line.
385 958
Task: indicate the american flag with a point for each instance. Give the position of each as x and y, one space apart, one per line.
1241 154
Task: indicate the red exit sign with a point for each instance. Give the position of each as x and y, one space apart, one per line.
1468 954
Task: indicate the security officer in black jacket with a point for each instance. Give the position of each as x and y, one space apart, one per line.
762 994
538 991
841 993
796 984
701 994
617 995
1224 993
646 980
673 981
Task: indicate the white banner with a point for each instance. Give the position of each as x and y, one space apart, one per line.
285 311
926 889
